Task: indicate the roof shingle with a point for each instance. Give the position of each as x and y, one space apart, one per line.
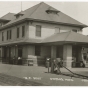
38 12
66 37
8 16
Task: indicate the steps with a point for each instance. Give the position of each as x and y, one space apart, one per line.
35 62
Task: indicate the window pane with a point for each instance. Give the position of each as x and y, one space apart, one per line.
23 31
38 33
2 36
38 27
17 32
7 35
38 30
10 34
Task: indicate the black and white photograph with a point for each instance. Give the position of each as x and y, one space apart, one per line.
43 43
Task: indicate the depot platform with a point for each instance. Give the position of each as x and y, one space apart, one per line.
41 75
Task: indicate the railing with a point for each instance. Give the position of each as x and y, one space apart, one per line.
8 60
39 62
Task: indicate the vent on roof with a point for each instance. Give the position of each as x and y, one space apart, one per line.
18 15
52 11
3 22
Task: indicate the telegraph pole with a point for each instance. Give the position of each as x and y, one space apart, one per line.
21 6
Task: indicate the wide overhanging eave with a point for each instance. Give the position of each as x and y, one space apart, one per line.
17 22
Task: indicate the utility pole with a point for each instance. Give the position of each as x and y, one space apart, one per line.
21 6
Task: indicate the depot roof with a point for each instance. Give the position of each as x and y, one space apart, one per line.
45 13
66 37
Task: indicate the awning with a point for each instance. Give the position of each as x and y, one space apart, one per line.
70 36
58 38
23 41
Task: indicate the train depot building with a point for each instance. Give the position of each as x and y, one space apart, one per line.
42 32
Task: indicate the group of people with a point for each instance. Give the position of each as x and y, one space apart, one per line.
19 61
59 63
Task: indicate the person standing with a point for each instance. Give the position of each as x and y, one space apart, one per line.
58 61
19 61
83 61
87 57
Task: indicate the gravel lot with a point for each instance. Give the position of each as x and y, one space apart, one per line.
39 76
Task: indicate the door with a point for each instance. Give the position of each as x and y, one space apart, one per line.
19 52
20 55
9 55
4 55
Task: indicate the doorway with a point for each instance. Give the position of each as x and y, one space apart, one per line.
19 52
59 52
19 56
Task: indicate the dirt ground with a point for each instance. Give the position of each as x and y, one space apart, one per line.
41 76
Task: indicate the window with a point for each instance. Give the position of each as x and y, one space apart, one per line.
23 31
74 30
17 16
79 31
57 30
18 32
38 30
8 34
37 50
0 24
2 36
0 54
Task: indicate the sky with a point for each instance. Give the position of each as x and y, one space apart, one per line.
76 10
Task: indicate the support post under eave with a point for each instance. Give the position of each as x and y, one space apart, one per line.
67 56
53 56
